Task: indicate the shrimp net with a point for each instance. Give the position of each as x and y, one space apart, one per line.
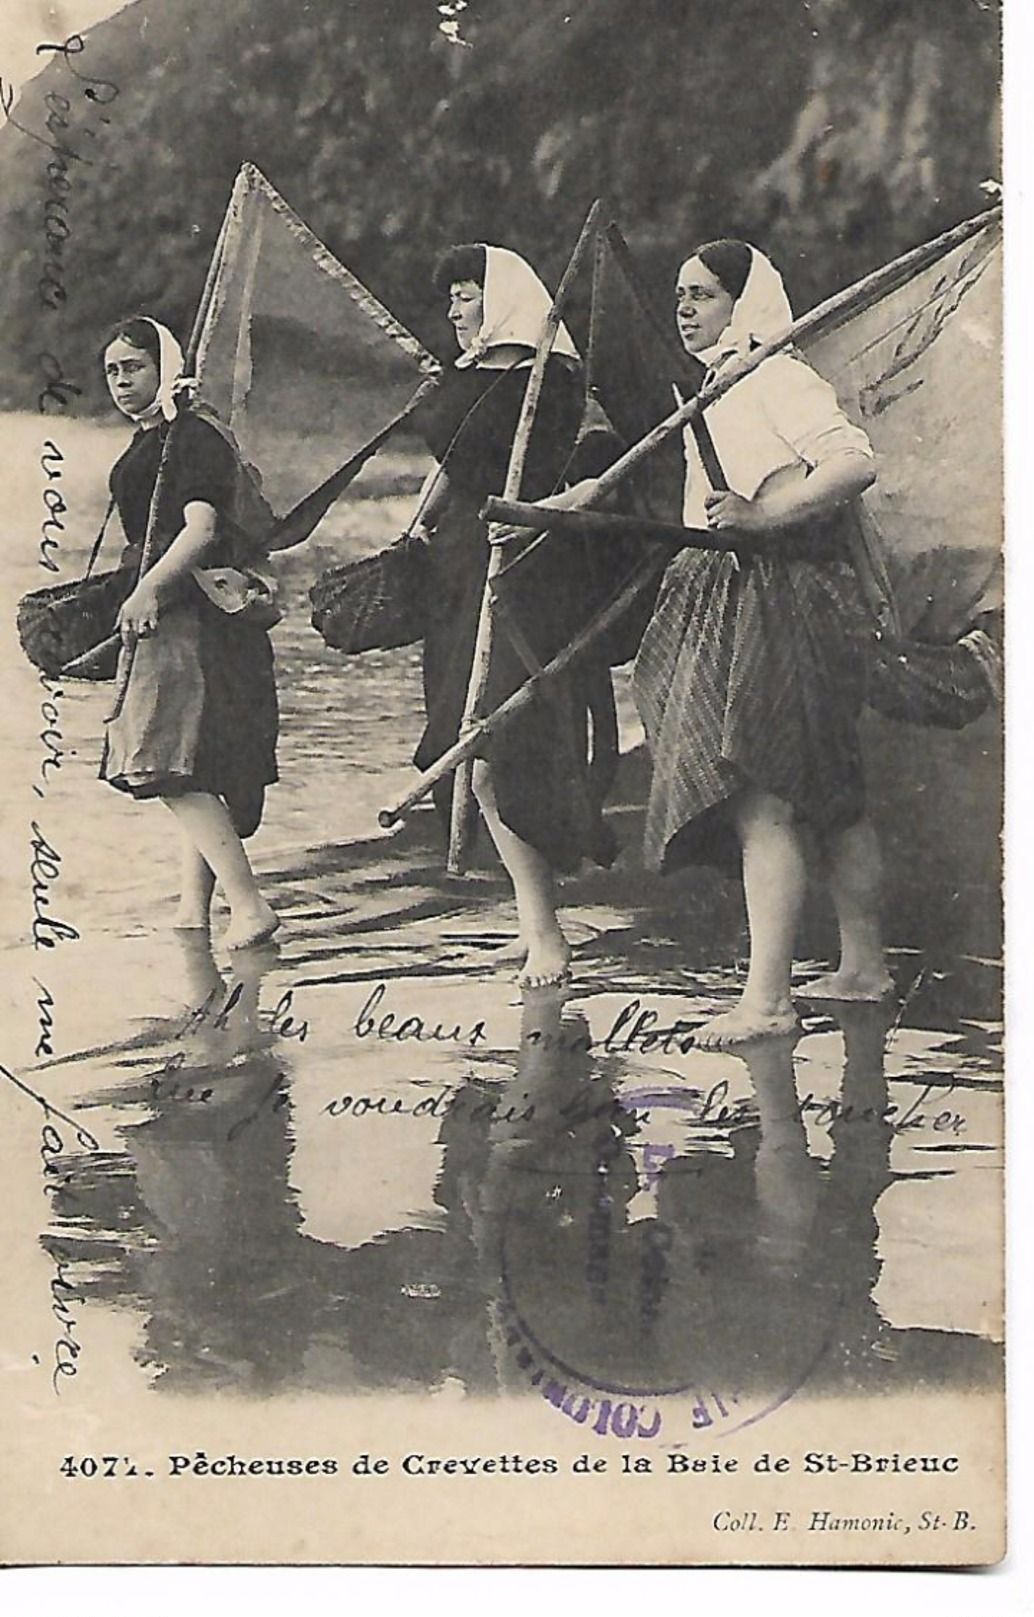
297 358
918 367
920 370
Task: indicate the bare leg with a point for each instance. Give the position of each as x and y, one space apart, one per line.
774 881
534 888
204 985
788 1185
197 884
206 821
855 876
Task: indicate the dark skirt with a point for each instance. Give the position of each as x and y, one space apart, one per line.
749 674
547 790
199 713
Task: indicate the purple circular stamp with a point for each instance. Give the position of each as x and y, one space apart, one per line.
668 1266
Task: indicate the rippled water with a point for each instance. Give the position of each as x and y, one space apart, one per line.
537 1208
551 1200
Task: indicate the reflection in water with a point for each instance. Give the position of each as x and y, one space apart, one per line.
563 1220
750 1266
641 1225
195 1225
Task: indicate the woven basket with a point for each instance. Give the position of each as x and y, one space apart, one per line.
947 687
375 603
59 624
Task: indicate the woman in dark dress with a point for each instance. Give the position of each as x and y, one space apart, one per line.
533 780
197 723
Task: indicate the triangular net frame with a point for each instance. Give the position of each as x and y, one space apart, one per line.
918 367
297 372
914 358
934 309
295 355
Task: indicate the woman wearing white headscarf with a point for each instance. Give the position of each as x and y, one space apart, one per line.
533 781
748 678
197 724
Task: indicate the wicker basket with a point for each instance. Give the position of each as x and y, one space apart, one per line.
59 624
375 603
946 686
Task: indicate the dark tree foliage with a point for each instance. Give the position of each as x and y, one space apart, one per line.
835 133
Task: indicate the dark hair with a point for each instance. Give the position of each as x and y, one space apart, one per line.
729 261
138 331
467 262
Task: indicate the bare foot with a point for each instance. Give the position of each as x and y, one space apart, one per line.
864 988
548 963
251 926
744 1023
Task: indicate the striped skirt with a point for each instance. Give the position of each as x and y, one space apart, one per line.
749 674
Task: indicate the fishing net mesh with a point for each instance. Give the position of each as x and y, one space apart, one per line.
919 369
294 354
303 363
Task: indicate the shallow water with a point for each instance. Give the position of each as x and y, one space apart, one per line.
280 1191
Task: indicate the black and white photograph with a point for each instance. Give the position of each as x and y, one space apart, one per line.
502 782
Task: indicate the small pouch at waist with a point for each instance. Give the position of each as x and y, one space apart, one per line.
246 594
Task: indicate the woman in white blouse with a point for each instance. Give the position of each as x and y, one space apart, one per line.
749 675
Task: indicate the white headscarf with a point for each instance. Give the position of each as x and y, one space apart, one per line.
170 373
760 313
515 307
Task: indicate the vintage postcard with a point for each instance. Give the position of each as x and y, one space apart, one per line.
502 783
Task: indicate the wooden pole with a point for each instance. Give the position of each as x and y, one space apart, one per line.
297 525
468 744
522 513
216 267
823 317
461 792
